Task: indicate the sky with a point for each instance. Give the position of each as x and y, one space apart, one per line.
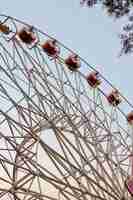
89 32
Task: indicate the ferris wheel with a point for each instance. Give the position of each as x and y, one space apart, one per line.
66 133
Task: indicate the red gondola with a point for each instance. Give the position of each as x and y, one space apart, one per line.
50 47
130 118
114 98
27 36
93 79
73 62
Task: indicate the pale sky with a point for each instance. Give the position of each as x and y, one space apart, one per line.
88 31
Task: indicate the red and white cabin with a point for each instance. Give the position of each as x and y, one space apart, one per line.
27 36
130 118
73 62
93 79
114 98
51 48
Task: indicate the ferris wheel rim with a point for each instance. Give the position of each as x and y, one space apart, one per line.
74 52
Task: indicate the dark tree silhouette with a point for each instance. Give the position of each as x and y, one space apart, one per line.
118 9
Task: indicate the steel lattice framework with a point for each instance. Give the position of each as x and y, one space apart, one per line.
59 138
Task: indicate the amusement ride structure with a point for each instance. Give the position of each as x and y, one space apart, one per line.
66 133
